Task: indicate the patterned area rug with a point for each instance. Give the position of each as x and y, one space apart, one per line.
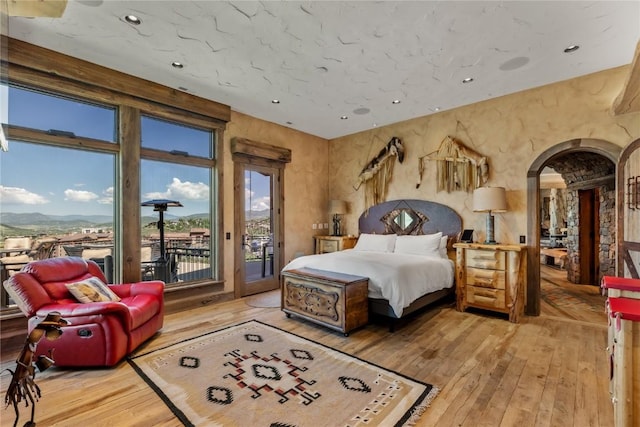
253 374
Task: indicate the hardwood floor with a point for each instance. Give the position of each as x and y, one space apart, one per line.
550 370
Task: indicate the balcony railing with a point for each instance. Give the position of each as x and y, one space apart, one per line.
182 264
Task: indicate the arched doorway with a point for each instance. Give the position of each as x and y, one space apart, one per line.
606 149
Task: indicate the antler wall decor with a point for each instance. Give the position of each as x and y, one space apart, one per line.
458 167
377 173
23 385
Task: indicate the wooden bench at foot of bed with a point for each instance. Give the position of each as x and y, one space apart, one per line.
336 300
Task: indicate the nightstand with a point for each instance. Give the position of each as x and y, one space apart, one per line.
491 277
326 244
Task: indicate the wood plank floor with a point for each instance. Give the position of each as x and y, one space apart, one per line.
550 370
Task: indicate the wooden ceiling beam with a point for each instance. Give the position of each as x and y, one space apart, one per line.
628 101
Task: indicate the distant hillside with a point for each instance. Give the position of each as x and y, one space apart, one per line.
35 218
7 230
257 214
33 224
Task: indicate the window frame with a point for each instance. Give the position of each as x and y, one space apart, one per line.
43 70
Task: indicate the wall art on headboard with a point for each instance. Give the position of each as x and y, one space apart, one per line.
377 173
459 168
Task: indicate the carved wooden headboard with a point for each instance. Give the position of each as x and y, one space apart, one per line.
408 216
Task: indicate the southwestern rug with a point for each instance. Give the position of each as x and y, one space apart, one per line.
254 374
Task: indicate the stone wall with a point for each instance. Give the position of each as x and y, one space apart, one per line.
578 170
572 240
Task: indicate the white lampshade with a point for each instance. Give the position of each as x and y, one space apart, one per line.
337 207
489 199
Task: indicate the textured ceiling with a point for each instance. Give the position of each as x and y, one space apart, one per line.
327 59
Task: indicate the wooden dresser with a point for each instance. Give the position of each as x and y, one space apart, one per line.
325 244
336 300
491 277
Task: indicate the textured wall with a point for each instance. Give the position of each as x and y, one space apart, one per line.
512 131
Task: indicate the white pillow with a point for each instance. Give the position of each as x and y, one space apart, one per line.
427 245
91 289
376 242
444 241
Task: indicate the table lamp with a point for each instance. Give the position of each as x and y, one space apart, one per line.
489 199
337 208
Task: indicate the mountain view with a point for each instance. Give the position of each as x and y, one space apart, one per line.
33 224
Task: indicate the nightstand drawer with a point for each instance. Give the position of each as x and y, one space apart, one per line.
487 297
485 259
493 279
328 246
325 244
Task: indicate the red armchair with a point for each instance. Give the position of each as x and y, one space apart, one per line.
99 333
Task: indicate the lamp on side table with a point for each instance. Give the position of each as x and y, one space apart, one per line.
337 208
490 199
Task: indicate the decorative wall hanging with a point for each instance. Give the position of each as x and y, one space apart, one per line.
377 173
459 168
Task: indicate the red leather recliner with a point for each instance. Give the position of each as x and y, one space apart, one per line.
100 333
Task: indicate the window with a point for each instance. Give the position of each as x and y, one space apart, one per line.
176 138
56 200
68 169
51 113
177 247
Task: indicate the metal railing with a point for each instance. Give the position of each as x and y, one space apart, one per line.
182 264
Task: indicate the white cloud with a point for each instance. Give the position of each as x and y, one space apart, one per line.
107 197
79 196
248 194
261 204
20 196
179 190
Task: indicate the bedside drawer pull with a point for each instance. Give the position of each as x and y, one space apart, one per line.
485 258
485 282
485 293
485 278
486 262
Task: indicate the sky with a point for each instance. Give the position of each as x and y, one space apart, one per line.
60 181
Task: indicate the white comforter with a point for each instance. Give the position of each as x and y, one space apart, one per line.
398 278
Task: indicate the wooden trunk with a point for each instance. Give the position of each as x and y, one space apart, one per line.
338 301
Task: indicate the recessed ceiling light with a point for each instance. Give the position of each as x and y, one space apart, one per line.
343 117
375 125
396 101
436 109
177 64
275 101
133 19
467 80
571 48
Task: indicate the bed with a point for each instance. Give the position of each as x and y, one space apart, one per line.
404 275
